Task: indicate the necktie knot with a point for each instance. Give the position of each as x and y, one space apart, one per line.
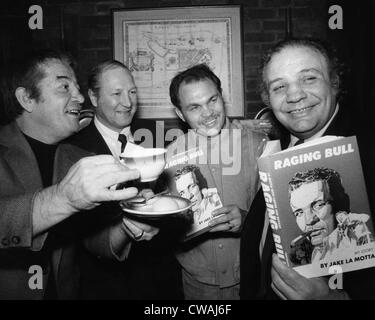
122 138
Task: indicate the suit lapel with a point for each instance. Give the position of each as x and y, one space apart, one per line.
94 141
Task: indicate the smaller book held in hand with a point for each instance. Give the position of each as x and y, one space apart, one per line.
317 206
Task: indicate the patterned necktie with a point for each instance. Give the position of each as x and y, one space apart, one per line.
123 140
299 141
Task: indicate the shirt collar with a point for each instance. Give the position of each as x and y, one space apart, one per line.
109 133
319 134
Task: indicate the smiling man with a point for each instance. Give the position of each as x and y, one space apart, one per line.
301 83
301 86
210 262
112 261
41 105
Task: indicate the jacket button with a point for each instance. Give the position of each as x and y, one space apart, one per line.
16 240
5 242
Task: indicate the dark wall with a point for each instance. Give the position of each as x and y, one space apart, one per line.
356 45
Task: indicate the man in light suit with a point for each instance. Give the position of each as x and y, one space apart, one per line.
40 106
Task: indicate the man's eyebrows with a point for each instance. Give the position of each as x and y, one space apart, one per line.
311 70
302 71
63 77
274 80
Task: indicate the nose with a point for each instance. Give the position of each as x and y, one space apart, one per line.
77 96
125 100
295 93
310 218
206 111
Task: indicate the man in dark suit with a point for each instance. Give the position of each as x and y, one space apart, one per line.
40 105
133 268
301 83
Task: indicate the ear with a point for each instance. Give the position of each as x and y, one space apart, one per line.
179 114
93 98
24 100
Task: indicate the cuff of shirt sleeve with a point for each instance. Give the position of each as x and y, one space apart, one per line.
123 255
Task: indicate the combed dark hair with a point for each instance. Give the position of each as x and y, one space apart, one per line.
93 82
336 68
341 201
194 74
26 72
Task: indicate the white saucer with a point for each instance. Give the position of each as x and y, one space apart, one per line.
129 207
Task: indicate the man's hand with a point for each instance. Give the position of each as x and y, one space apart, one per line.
139 231
262 126
290 285
85 186
87 183
228 218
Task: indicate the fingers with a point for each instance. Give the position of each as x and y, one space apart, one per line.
282 297
227 218
87 183
117 195
146 194
281 288
290 284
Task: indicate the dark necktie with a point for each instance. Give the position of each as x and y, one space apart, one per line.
123 140
299 141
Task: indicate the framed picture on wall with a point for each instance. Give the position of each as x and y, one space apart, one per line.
156 44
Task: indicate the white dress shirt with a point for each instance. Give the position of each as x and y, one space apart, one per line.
111 137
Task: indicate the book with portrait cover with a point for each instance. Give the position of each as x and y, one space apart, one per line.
317 206
186 179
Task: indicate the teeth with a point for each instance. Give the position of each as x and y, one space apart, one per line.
210 122
74 111
299 110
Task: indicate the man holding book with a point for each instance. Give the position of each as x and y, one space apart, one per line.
301 83
226 158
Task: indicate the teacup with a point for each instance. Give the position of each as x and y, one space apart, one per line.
150 162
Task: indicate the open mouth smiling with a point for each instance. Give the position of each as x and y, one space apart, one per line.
210 123
300 110
74 112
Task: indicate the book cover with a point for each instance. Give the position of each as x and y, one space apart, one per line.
187 180
317 206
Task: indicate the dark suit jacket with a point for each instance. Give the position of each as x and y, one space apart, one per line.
256 270
149 272
20 180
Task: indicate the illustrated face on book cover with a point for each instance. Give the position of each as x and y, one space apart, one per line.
202 107
313 210
188 188
300 91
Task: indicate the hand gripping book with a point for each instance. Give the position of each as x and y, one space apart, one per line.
317 206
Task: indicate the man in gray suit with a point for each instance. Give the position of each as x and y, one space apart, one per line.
40 107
